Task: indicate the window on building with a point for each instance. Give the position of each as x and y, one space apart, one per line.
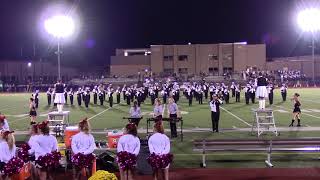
227 69
183 70
210 70
213 57
167 58
168 70
227 57
183 57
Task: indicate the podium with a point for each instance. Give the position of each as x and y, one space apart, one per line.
57 121
263 122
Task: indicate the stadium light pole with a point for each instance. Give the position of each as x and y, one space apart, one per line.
59 26
309 21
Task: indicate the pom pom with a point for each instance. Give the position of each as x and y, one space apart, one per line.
82 161
50 160
23 152
159 161
126 160
13 166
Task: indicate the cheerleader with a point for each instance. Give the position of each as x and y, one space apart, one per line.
159 145
45 145
262 91
33 112
158 110
7 148
4 126
135 113
296 110
34 133
83 145
128 144
59 95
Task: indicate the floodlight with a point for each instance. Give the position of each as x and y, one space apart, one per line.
309 20
60 26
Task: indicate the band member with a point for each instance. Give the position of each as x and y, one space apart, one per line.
296 110
189 96
71 94
283 90
226 95
79 96
159 144
215 112
36 98
158 109
128 97
135 113
152 96
110 94
164 96
66 95
270 91
83 143
32 112
7 148
95 95
4 126
44 144
173 113
118 94
262 92
129 143
237 91
200 95
247 93
49 96
233 89
100 95
205 90
252 94
59 95
86 95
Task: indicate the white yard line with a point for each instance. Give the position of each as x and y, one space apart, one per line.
234 127
101 112
312 101
236 116
302 112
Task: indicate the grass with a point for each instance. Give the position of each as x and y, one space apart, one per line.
15 107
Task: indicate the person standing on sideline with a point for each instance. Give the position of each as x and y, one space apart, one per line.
59 98
32 112
128 143
296 110
49 96
215 112
173 113
159 146
283 90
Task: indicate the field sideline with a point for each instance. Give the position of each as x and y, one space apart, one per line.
234 116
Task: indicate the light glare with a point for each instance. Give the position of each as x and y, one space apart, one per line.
309 20
60 26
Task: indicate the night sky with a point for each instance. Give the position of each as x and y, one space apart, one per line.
110 24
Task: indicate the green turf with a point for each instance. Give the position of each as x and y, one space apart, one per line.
15 107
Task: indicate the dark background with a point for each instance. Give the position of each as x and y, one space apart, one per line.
110 24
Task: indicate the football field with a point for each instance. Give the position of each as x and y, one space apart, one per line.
235 122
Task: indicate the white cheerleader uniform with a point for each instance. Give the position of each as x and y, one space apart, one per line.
32 143
159 144
44 144
6 153
129 143
5 126
83 143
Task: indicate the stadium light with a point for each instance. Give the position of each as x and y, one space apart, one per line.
29 64
59 26
309 21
